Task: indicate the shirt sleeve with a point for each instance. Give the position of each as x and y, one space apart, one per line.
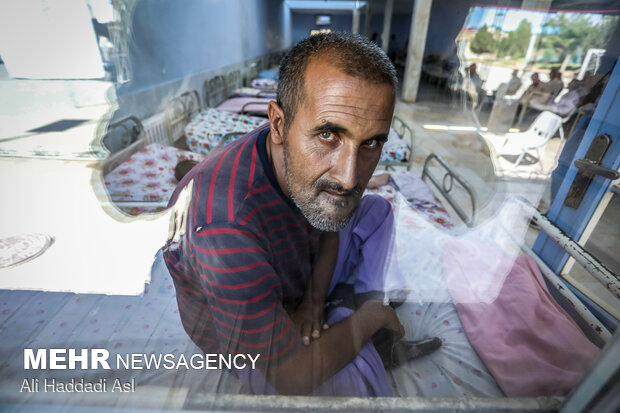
243 292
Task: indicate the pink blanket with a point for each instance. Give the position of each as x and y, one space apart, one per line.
528 342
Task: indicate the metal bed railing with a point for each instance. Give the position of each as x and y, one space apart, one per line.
447 184
122 133
589 262
179 112
215 91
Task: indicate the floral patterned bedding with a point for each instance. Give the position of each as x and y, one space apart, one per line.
417 195
206 130
147 176
395 149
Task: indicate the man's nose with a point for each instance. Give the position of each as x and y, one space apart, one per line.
344 170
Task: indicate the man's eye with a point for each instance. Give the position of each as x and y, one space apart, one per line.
372 143
328 136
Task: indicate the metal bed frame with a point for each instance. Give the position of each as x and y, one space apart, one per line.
129 125
122 133
219 88
179 112
233 81
450 175
582 256
215 91
252 72
249 112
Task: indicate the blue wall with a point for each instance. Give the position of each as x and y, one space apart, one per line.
173 40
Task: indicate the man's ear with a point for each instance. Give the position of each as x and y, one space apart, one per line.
276 122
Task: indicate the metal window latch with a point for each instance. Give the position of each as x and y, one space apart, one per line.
589 168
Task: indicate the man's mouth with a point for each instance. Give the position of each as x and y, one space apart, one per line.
338 194
338 198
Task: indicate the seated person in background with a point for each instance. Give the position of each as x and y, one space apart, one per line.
554 86
538 93
536 86
508 88
513 84
268 227
568 103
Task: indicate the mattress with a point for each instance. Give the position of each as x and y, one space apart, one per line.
256 105
454 370
254 92
147 176
205 131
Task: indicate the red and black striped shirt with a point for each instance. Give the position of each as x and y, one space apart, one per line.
244 255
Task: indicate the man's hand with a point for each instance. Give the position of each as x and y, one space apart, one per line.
311 365
309 319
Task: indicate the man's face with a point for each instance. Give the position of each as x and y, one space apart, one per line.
334 143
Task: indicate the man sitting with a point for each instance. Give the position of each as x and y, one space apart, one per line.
269 226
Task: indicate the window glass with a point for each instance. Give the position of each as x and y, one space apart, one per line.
501 156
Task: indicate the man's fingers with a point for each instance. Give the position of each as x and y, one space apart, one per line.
316 329
305 333
325 326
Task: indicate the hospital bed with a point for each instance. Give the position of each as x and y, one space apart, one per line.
140 178
231 97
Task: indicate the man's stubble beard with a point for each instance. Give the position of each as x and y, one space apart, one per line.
309 204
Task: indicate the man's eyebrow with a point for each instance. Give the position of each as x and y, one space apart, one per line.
330 127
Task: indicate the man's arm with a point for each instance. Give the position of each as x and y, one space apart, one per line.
308 317
242 292
311 365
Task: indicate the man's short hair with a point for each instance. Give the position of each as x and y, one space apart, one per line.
353 54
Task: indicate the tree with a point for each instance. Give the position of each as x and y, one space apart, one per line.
568 33
483 41
516 43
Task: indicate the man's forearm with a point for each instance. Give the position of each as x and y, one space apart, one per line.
324 266
312 365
